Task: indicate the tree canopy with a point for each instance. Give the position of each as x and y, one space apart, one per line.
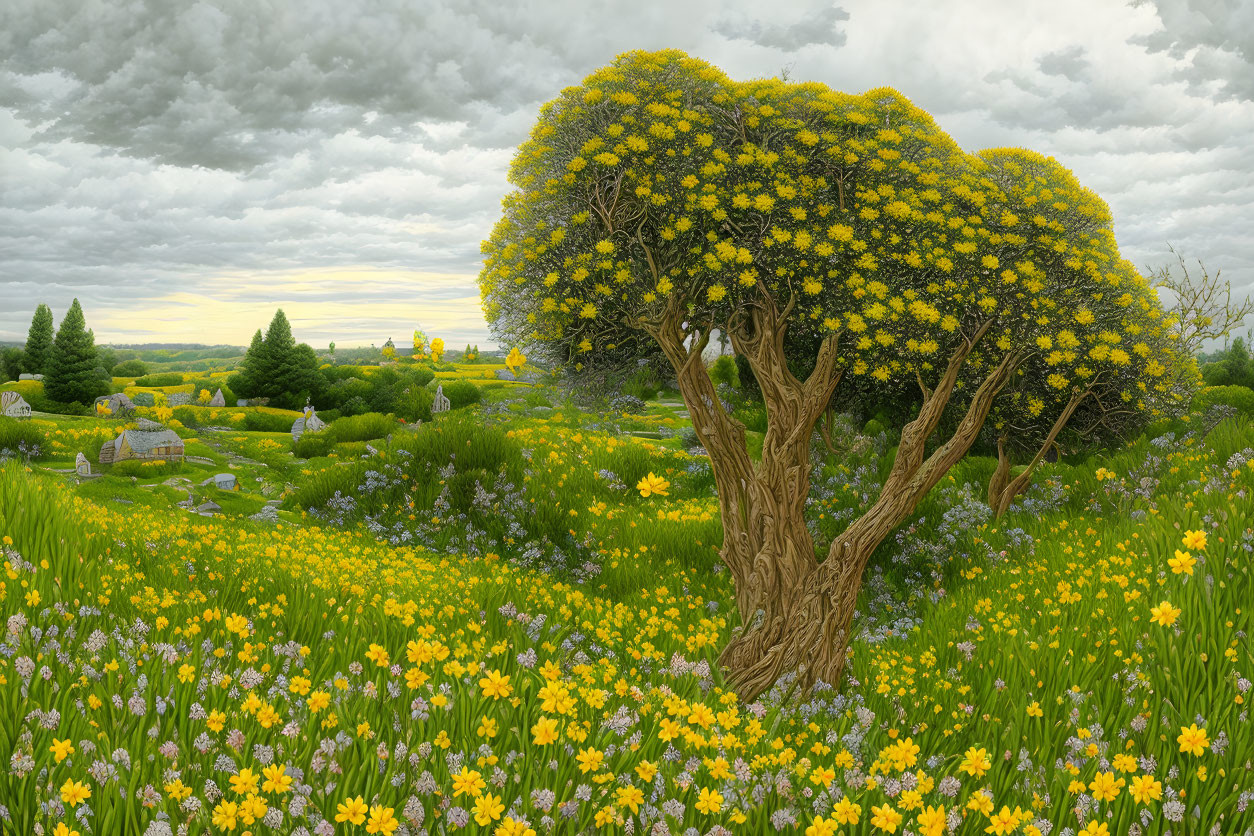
660 201
277 367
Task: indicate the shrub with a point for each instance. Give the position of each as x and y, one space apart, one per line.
414 404
753 417
144 399
267 422
212 386
1238 397
420 375
187 416
360 427
130 368
723 370
462 393
158 380
354 406
642 384
312 445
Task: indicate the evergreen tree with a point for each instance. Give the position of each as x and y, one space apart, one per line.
296 378
38 341
1236 365
71 369
275 352
253 369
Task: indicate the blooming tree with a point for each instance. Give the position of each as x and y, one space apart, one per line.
659 202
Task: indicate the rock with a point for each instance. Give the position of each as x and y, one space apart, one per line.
505 374
441 402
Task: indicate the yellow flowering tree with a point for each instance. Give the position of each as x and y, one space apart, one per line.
1099 371
659 202
437 349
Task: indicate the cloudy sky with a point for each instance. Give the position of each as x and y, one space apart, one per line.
185 167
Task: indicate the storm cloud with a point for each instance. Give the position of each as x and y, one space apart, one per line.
185 167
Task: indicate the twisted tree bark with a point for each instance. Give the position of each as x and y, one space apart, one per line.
1002 489
796 613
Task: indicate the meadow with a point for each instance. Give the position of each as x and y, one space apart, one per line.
507 620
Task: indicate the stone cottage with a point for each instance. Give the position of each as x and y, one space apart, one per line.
142 445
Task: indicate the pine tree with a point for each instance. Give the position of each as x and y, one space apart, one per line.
38 341
71 369
296 378
275 352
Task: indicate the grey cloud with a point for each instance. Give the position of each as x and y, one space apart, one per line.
1215 39
160 146
816 27
1069 63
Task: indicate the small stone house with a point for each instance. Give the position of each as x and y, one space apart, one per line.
14 405
142 445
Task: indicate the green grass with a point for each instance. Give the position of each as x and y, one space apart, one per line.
1010 646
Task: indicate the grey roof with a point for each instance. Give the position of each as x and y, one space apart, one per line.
141 441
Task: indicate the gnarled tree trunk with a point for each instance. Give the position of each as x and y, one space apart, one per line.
817 624
796 613
1002 489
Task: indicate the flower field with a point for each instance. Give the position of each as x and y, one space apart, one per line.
1081 666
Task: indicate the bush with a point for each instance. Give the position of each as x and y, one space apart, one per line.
312 445
15 435
130 368
536 397
366 427
266 422
41 403
461 393
212 386
414 404
753 417
144 399
420 375
643 384
724 371
158 380
1238 397
354 406
187 416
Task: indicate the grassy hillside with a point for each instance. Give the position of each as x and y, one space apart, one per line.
1053 671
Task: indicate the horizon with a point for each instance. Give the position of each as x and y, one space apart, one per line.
189 169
